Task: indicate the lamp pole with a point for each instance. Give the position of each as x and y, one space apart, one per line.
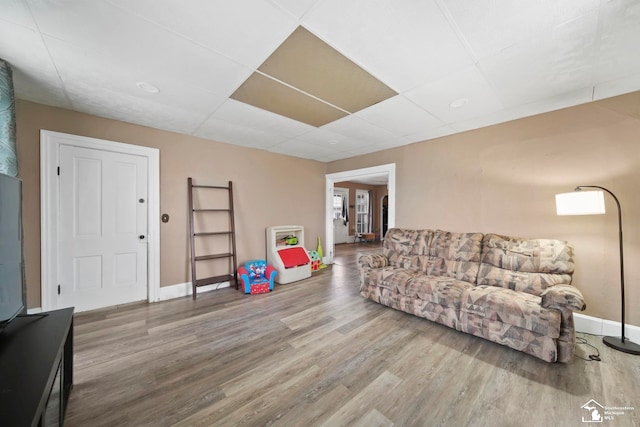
622 343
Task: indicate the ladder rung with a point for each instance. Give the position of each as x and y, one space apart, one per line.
214 256
212 210
210 186
214 279
213 233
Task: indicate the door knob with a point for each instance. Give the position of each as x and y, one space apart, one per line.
141 237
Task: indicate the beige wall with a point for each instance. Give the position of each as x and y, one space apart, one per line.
265 193
498 179
504 178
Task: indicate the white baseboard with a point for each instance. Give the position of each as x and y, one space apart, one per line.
167 292
597 326
184 289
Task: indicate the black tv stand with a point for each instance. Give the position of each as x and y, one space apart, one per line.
36 369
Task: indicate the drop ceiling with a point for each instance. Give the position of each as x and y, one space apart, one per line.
495 60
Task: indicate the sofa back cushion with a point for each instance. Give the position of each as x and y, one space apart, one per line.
527 265
408 248
457 255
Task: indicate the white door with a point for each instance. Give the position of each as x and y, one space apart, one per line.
340 209
103 202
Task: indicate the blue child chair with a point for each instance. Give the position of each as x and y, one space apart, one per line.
257 276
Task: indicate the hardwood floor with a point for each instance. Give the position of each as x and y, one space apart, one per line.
317 353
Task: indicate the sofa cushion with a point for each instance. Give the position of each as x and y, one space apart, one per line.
509 307
402 242
459 252
392 278
527 265
442 290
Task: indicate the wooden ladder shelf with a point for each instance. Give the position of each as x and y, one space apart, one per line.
230 274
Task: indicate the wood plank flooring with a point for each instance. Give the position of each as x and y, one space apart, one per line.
316 353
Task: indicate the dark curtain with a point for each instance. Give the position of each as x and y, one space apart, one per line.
8 159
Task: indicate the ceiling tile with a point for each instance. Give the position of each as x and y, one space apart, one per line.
468 84
124 107
620 33
248 116
297 8
431 134
510 22
556 62
264 92
309 64
231 133
554 102
86 66
400 116
404 44
245 37
35 77
16 12
617 87
357 128
138 44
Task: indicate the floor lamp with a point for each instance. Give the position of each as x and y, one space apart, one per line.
592 203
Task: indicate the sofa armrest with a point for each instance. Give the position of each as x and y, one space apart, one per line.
563 297
373 261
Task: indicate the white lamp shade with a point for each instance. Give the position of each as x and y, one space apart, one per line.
580 203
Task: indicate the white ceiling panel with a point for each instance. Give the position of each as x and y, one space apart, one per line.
357 128
76 64
35 77
470 85
404 44
431 134
508 59
17 12
556 62
491 26
248 38
138 44
400 116
620 28
120 106
554 102
297 8
617 87
248 116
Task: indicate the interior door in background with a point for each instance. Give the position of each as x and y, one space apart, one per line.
103 228
340 215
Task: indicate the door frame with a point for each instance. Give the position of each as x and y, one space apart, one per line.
50 143
388 170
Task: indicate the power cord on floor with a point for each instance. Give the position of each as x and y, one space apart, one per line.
592 357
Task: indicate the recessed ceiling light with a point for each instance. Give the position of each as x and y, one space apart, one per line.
459 103
147 87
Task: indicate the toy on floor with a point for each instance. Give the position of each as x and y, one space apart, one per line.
315 260
320 254
257 276
290 260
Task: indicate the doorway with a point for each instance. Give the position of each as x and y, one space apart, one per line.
385 172
99 217
340 215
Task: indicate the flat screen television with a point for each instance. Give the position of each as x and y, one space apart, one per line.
12 288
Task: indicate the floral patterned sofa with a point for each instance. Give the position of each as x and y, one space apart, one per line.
512 291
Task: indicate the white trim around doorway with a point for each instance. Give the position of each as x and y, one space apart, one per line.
388 170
